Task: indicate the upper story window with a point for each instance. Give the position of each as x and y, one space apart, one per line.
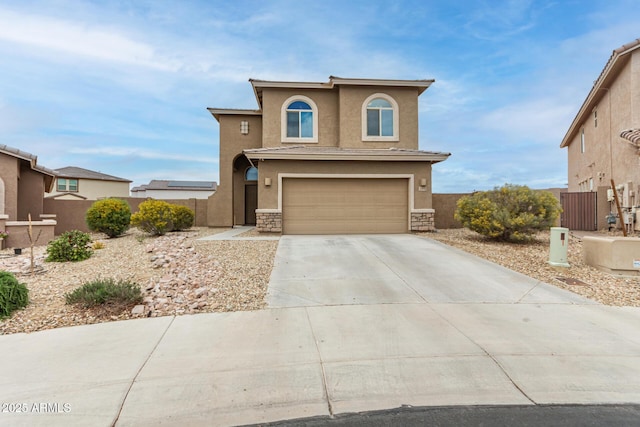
65 184
582 148
299 120
380 118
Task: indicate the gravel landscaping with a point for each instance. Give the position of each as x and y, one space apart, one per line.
179 274
532 260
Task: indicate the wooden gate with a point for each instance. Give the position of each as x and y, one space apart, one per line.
579 211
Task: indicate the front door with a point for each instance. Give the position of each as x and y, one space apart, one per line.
250 203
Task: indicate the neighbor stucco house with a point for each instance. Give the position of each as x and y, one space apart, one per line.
75 183
23 183
175 190
332 157
603 141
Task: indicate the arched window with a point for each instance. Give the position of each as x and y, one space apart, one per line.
380 118
299 120
251 174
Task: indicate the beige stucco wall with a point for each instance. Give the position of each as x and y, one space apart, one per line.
30 193
94 189
9 172
268 195
325 100
351 102
607 155
220 211
340 116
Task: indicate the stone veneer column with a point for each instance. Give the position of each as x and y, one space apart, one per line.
268 221
423 220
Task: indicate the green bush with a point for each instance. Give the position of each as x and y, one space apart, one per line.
510 213
154 217
13 295
70 246
182 217
109 216
105 291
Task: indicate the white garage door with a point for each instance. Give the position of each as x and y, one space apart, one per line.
344 205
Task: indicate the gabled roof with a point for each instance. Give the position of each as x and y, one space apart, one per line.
33 163
159 184
300 152
617 61
81 173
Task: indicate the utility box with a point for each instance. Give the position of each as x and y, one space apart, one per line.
559 243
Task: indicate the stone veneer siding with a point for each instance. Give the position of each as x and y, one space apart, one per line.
269 222
423 221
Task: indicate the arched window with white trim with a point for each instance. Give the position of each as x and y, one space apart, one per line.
299 120
380 118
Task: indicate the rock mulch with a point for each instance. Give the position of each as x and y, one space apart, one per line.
177 273
532 260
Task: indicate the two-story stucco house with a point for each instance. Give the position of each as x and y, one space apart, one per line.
603 141
75 183
322 158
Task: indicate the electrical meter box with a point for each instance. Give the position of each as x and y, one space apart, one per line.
558 247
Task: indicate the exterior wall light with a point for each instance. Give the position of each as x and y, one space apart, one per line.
267 182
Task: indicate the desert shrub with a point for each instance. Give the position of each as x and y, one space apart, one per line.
105 291
109 216
183 217
154 217
510 213
13 295
97 246
69 246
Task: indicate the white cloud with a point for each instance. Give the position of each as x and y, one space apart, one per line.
540 119
67 37
142 153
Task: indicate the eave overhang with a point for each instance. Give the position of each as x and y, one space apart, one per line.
336 154
617 61
217 112
259 85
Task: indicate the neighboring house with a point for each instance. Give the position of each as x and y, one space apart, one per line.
320 158
164 189
603 141
74 183
22 184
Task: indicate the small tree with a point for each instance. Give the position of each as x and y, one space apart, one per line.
510 213
153 216
109 216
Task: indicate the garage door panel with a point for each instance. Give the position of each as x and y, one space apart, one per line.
344 206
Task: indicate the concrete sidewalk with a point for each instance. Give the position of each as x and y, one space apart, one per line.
314 359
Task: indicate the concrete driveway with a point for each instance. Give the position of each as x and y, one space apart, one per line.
356 324
387 269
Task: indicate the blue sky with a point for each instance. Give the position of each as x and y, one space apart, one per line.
122 87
